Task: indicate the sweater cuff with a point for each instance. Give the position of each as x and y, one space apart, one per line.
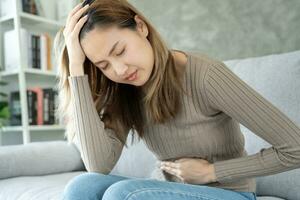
222 172
230 170
73 79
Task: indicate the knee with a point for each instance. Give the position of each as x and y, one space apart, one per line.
88 185
124 189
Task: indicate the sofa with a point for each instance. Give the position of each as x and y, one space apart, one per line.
41 170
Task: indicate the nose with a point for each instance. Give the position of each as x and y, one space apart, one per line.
120 69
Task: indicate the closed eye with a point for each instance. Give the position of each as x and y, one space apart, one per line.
122 52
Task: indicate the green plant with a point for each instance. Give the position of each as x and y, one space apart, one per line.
4 110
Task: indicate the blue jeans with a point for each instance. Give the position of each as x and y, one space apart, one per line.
95 186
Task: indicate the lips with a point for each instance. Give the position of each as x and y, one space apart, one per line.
131 75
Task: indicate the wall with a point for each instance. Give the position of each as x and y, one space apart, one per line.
226 29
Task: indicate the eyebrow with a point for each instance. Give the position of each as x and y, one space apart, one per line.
110 52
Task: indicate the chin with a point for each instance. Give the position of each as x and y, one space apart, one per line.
139 83
142 81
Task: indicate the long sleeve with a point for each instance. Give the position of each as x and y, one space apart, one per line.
226 92
100 148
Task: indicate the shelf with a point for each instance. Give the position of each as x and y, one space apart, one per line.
5 19
34 20
11 128
22 76
40 72
46 127
28 71
34 128
46 23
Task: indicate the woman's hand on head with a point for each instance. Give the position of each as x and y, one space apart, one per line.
71 34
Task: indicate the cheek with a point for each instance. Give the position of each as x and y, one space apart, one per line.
137 55
131 54
111 75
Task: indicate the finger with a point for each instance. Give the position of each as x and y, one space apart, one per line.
73 11
171 164
75 18
79 25
173 171
181 159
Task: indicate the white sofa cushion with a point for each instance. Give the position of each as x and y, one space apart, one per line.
39 158
36 187
277 78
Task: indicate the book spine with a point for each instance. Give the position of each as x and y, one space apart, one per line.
38 51
43 53
46 106
57 118
51 107
15 109
29 101
32 107
39 92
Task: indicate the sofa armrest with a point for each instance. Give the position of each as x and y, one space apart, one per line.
39 158
284 185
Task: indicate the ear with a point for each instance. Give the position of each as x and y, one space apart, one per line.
141 26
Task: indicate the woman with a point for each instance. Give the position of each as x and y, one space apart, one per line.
117 74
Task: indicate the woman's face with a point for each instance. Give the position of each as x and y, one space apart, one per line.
119 53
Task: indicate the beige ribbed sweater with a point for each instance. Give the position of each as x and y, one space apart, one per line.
207 127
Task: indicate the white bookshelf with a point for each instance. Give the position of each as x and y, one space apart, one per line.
24 77
27 71
34 128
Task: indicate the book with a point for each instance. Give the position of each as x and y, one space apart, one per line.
37 49
15 108
29 6
41 104
48 106
11 57
32 107
47 9
39 92
40 8
58 119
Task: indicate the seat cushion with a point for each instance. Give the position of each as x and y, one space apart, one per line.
285 185
269 198
36 187
39 158
48 187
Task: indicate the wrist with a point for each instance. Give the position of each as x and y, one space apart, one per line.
76 70
213 177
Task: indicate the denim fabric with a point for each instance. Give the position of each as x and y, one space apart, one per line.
95 186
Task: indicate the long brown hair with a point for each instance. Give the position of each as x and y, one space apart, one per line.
122 106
